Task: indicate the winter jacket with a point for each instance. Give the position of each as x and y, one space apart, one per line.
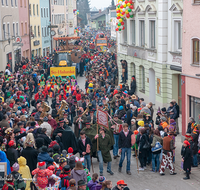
195 136
44 157
37 116
98 187
125 142
81 147
12 155
91 185
24 171
47 140
19 182
116 188
142 141
79 175
187 156
48 127
173 110
53 123
31 157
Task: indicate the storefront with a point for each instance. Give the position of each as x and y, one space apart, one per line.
17 54
194 103
9 58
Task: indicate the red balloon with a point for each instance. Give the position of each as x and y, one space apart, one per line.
131 7
118 11
127 15
126 1
122 23
117 23
117 29
123 13
118 17
131 2
121 6
117 5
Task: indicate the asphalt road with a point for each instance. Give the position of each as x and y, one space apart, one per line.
146 180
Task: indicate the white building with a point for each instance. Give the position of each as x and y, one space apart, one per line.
151 44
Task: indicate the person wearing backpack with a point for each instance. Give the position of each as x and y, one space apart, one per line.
65 177
156 150
18 180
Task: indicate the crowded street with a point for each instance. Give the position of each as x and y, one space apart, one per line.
99 95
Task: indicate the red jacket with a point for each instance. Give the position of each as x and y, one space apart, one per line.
78 97
53 123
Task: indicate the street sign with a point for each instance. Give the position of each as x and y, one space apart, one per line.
18 39
52 26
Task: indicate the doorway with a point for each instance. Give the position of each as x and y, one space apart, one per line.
152 86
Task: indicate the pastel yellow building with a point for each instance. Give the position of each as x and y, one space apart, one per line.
35 24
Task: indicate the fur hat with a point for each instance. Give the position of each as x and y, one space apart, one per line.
42 165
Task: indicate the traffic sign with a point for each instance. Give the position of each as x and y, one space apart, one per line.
53 26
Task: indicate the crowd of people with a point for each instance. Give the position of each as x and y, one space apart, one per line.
49 133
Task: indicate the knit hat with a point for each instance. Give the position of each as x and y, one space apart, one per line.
44 149
102 179
45 119
11 143
163 118
141 123
186 142
42 165
15 167
136 132
72 183
70 150
121 108
143 104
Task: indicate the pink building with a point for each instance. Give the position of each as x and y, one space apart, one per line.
24 25
190 63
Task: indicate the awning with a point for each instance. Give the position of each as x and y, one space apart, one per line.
176 68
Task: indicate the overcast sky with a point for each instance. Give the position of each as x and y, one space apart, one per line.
100 3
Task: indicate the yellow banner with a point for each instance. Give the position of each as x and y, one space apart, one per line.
62 71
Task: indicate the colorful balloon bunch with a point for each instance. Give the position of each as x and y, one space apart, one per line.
77 29
124 9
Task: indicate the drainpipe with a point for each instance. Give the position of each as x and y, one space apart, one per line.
29 30
50 24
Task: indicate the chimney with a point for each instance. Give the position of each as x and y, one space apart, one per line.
99 10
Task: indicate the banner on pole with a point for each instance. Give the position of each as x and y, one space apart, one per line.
102 118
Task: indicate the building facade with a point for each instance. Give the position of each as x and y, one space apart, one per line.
149 45
45 30
24 27
64 17
35 28
10 52
191 63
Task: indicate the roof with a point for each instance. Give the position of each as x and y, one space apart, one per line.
65 38
99 14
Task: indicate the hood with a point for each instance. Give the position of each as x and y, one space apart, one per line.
79 172
21 161
3 157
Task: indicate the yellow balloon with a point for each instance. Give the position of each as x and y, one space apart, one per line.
124 5
128 4
120 20
118 14
126 11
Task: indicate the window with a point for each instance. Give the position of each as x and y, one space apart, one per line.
20 3
4 31
196 51
38 30
142 79
17 29
42 32
141 33
177 36
152 33
132 31
32 31
26 28
47 31
12 3
44 13
66 2
2 2
194 103
34 10
47 12
14 29
125 33
22 28
52 2
15 3
41 12
30 9
196 1
37 10
24 3
113 14
6 2
8 30
35 34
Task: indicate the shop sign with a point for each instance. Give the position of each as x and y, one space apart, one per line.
18 41
36 43
136 52
62 71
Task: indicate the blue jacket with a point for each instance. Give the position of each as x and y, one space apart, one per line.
44 157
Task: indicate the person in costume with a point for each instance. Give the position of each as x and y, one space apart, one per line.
42 81
73 81
3 158
90 88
